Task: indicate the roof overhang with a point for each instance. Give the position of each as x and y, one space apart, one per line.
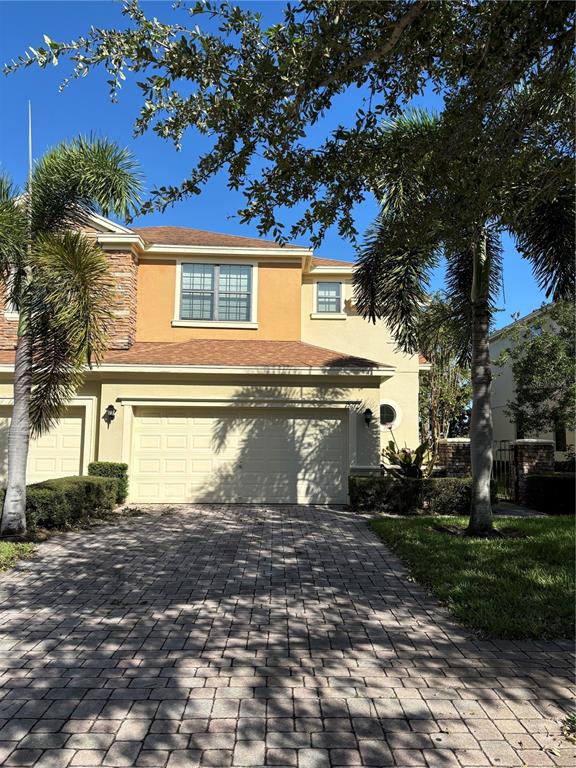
235 370
326 270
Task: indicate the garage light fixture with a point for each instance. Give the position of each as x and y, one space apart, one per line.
367 416
109 415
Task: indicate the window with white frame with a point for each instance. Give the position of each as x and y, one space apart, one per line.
329 297
218 292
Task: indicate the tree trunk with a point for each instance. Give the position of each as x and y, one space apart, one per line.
14 512
481 417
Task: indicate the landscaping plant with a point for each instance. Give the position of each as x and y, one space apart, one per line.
58 281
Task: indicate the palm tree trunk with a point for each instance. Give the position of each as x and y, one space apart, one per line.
481 417
14 512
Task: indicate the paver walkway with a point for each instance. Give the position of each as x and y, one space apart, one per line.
252 637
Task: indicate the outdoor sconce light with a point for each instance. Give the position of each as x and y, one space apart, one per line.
109 415
367 416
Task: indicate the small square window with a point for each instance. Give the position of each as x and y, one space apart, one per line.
329 298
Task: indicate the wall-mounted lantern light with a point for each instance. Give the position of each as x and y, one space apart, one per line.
367 416
109 415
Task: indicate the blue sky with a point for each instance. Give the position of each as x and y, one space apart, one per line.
84 107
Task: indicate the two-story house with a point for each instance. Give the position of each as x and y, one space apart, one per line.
237 371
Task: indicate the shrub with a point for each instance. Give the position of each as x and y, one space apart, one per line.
447 495
385 493
552 493
67 500
112 469
406 495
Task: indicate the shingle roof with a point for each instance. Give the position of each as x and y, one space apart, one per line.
210 352
317 262
188 236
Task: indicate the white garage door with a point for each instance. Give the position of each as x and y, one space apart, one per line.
56 454
242 455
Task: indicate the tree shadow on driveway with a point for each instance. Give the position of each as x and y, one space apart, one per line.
254 635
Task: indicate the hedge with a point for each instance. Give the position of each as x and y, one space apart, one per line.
552 493
67 500
406 495
112 469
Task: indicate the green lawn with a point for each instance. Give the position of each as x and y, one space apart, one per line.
11 551
500 588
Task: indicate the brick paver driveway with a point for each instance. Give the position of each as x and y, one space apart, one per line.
251 637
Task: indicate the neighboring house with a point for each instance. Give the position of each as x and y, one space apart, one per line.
238 371
506 430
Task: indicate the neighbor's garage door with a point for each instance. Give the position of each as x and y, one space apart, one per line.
239 455
56 454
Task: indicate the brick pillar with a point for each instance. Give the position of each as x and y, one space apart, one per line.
532 457
8 324
124 273
454 456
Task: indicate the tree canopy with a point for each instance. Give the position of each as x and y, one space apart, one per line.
257 91
542 353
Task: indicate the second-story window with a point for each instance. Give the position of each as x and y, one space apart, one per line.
329 297
219 292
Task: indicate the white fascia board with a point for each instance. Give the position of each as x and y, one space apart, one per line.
379 371
102 221
246 369
120 239
219 250
332 270
424 366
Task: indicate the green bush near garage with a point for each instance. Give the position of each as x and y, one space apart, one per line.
385 493
409 496
553 493
66 501
114 469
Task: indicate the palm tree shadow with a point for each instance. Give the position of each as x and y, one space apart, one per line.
281 456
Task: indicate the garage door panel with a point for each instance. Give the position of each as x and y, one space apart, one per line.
283 456
55 454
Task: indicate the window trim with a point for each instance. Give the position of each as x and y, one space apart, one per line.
251 324
340 315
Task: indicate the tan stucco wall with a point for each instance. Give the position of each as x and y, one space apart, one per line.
359 337
155 388
278 304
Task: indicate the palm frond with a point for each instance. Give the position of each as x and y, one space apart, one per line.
69 319
83 176
391 279
14 234
459 274
545 236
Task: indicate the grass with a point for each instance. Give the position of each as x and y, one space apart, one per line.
510 588
11 551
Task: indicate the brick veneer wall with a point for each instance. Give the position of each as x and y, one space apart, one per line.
532 457
124 273
454 456
8 325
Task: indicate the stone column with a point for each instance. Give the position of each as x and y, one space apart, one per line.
532 457
454 456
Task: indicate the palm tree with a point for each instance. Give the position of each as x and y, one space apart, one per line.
57 280
437 202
